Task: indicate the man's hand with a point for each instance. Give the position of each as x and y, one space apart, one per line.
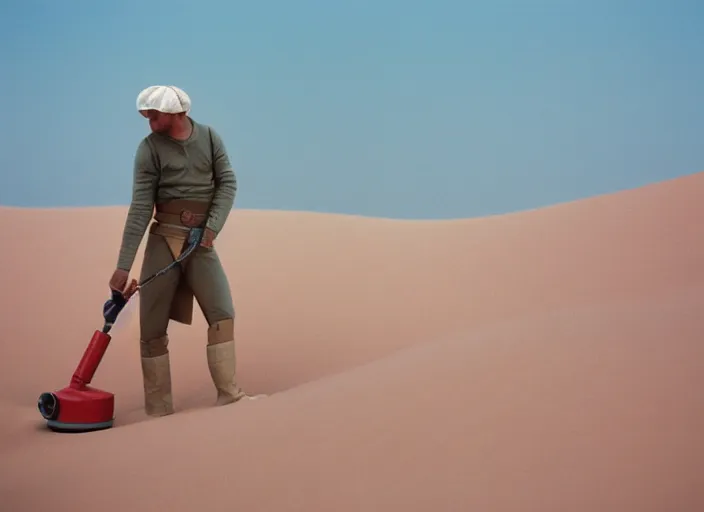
208 238
118 281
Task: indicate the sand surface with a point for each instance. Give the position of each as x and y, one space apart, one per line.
549 360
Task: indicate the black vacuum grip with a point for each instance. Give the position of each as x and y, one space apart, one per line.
112 308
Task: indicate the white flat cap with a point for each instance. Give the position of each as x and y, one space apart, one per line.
164 98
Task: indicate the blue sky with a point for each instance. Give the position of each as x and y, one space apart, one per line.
397 109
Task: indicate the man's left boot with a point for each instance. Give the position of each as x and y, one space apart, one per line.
222 363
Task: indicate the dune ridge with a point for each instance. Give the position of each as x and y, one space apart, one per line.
543 360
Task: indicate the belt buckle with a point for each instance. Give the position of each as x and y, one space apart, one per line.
188 218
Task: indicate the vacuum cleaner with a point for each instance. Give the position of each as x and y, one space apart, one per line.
80 407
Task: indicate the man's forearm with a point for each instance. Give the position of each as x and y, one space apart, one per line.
223 200
136 224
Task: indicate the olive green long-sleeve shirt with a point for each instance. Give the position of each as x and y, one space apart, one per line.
178 170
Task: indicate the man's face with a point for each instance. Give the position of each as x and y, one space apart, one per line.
159 122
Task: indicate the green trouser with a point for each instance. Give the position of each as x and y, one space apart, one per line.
203 273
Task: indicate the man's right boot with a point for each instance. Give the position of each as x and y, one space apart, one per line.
156 374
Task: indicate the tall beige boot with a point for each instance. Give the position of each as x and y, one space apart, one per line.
222 363
156 373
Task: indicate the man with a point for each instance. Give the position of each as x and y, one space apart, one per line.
182 168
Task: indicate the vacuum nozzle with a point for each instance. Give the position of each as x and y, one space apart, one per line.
48 406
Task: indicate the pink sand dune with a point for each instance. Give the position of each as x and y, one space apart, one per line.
549 360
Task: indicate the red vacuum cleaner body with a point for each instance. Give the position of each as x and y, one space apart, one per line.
80 407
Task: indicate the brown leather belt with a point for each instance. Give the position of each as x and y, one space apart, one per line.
187 219
182 212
